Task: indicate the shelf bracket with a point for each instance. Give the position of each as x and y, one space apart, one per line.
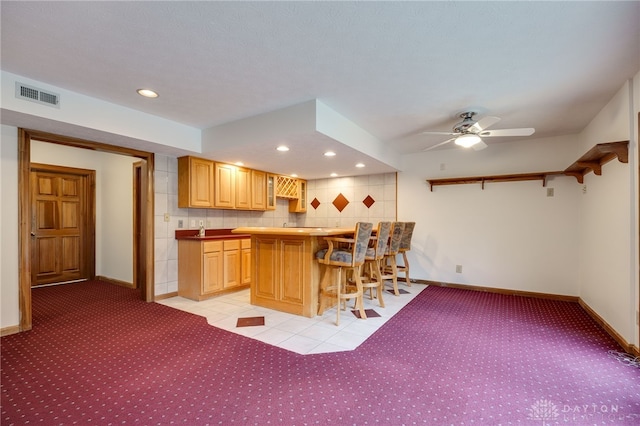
593 165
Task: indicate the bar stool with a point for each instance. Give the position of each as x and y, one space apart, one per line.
350 258
405 246
375 253
389 263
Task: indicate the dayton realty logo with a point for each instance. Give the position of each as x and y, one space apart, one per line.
544 410
547 412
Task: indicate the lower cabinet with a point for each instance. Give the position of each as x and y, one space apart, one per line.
285 266
207 268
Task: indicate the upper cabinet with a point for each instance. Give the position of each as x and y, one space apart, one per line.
244 191
195 182
210 184
293 189
271 191
258 190
299 204
224 194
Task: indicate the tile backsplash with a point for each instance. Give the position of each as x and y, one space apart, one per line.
364 198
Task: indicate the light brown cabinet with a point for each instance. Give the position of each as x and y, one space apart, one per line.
195 182
299 204
212 268
271 191
224 193
244 182
284 273
232 264
258 190
207 268
209 184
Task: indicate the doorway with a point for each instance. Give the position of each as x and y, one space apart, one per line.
144 273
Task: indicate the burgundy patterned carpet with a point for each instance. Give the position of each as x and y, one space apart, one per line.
97 355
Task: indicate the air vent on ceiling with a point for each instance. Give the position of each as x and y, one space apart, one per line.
34 94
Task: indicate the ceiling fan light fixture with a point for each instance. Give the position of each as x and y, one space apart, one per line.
468 140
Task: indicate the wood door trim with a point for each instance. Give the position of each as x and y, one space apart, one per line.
89 246
24 212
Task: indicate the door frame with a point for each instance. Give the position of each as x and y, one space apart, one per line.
145 271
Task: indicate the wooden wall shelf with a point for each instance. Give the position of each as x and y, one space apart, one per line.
596 157
593 160
495 178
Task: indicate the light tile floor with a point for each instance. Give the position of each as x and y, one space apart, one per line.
292 332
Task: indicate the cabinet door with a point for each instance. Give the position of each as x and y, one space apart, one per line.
245 269
271 192
293 277
195 182
225 188
232 262
258 190
243 188
264 284
212 268
299 205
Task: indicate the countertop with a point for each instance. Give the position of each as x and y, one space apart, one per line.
210 234
310 232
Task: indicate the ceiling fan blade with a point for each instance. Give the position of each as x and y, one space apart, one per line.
439 144
437 133
480 145
483 123
527 131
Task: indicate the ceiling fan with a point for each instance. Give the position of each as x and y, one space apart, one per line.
469 133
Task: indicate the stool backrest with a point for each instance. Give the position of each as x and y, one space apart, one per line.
382 239
405 243
361 241
397 228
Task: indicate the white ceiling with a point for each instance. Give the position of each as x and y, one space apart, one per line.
392 68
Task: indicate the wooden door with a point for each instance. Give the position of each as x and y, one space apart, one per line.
62 246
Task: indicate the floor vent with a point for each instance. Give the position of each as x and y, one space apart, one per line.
34 94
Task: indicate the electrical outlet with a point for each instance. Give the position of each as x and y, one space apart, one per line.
192 223
201 222
459 269
180 223
443 166
584 189
167 218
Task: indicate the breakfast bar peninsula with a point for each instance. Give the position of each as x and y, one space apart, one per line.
285 274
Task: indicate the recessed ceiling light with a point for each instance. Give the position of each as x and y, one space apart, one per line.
333 174
360 165
239 163
283 148
147 93
294 175
329 154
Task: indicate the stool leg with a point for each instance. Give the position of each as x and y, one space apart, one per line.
359 297
394 274
380 283
339 292
406 268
